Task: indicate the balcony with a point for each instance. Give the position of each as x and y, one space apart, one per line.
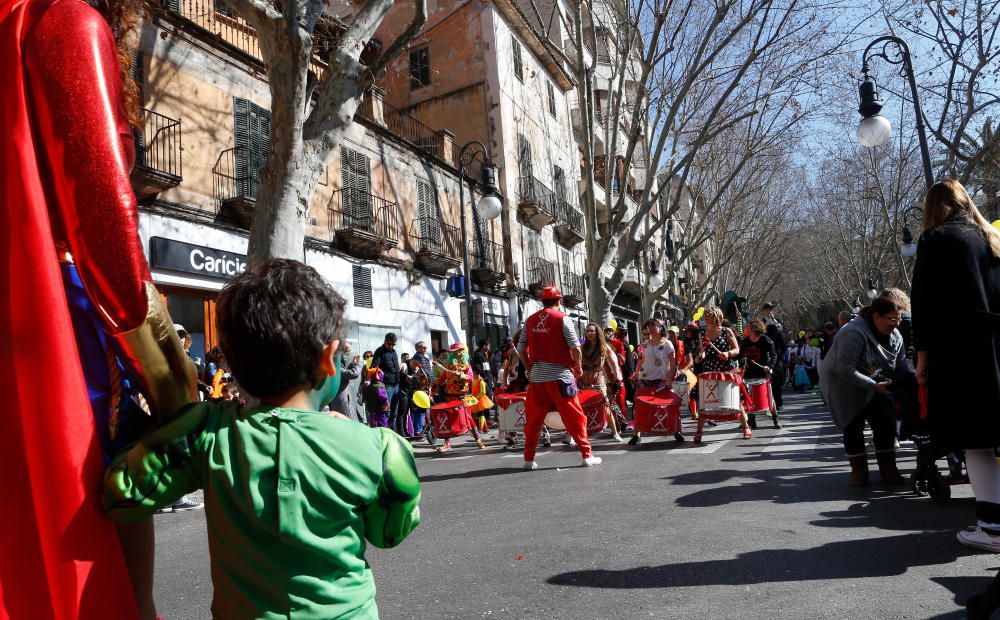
235 178
364 225
535 203
157 155
579 128
488 267
569 224
541 273
573 289
437 246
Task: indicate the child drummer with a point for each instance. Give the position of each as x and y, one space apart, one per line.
657 367
757 351
455 383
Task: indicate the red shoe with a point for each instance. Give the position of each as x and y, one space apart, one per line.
747 434
697 437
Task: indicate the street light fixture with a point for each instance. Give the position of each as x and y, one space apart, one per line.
488 208
909 247
872 291
874 128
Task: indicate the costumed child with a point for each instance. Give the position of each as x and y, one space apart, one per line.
481 392
656 368
259 466
376 399
455 383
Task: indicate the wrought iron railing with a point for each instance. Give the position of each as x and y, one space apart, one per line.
219 19
573 285
541 272
434 235
236 174
361 210
158 143
410 129
532 190
569 216
486 254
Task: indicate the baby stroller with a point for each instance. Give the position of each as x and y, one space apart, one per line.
926 478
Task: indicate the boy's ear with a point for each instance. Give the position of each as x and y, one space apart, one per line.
327 361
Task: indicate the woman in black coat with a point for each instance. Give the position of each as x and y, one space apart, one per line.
957 278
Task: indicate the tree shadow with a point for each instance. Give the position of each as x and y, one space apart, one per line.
888 556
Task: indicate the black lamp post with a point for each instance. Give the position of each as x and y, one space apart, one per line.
874 128
909 247
489 207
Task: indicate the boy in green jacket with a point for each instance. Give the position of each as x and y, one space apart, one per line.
291 494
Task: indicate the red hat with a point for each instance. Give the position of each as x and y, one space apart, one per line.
551 292
458 346
694 326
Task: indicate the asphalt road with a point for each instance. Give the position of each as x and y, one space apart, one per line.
763 528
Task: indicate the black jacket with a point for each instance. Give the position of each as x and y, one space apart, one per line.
956 282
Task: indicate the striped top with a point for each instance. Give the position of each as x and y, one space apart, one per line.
547 371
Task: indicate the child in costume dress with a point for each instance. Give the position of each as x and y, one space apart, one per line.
291 494
376 399
455 383
481 392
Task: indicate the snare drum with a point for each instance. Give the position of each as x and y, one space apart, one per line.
682 389
760 396
450 419
658 415
719 396
554 421
511 411
595 407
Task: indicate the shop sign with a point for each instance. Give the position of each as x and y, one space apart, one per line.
196 259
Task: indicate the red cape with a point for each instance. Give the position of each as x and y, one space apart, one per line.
60 555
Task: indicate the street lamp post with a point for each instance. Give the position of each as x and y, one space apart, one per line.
909 247
874 128
489 207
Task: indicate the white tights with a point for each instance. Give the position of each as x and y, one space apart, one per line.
984 474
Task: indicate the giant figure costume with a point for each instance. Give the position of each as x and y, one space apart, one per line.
74 285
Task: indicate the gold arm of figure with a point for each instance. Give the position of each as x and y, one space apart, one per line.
154 355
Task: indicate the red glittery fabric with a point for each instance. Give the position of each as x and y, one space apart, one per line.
76 105
59 555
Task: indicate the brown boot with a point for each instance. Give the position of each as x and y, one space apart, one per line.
887 468
859 470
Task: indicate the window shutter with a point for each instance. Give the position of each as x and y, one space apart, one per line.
241 136
524 156
355 172
516 48
559 181
552 98
427 213
362 287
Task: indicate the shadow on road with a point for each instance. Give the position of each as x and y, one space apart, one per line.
476 473
851 559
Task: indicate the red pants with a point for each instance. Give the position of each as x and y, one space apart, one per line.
543 398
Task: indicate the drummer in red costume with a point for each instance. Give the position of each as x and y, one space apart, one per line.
550 350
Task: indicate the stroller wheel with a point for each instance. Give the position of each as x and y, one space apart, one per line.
938 488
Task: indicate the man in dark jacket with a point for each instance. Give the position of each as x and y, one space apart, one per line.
386 358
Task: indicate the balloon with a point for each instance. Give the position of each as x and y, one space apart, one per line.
631 348
368 362
802 334
421 400
613 324
996 224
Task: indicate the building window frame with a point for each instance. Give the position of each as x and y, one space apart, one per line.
516 56
420 68
552 98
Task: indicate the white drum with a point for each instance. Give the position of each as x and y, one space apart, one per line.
554 421
682 388
511 412
718 396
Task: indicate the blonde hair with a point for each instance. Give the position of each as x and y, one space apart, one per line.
947 197
899 297
714 312
757 326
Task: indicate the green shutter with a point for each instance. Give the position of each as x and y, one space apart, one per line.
427 213
252 135
355 173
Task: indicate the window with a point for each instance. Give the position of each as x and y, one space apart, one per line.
252 132
427 217
559 183
362 287
524 156
516 54
224 9
356 179
552 99
420 68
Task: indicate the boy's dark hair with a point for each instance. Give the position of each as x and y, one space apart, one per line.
390 337
274 321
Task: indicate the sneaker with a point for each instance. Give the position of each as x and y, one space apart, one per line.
775 423
185 504
635 441
895 443
568 441
711 422
618 438
747 434
590 461
547 442
979 539
530 465
679 437
480 444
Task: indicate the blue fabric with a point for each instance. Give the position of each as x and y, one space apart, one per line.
92 345
801 376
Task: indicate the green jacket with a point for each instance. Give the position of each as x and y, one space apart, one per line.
291 497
